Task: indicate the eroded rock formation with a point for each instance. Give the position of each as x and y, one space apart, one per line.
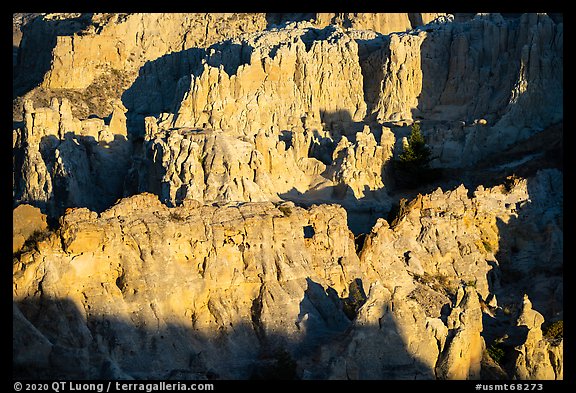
61 161
234 283
241 272
201 174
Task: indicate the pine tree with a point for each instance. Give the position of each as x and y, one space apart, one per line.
414 162
416 155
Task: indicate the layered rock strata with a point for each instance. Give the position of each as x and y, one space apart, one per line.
241 287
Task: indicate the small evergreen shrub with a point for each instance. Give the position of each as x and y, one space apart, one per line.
554 332
412 167
496 353
416 155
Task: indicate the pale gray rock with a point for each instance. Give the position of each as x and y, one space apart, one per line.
65 162
535 358
465 346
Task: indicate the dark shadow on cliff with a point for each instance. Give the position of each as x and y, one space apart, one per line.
530 250
370 55
82 171
35 51
280 19
316 34
544 149
360 351
162 83
340 123
449 97
52 339
529 262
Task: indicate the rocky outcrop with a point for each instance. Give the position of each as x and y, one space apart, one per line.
83 56
446 238
208 167
242 282
27 221
437 239
427 64
414 75
392 338
126 41
423 75
238 285
535 358
257 83
100 42
338 77
152 50
360 167
529 242
277 82
213 166
202 174
425 262
465 345
61 161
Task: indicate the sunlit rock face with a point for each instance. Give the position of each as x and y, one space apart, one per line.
62 161
88 46
259 81
148 287
217 196
340 95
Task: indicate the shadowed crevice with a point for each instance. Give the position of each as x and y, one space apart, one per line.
53 339
35 51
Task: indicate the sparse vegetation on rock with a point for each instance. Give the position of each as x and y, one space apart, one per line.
554 332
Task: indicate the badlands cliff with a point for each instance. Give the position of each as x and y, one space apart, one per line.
215 196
